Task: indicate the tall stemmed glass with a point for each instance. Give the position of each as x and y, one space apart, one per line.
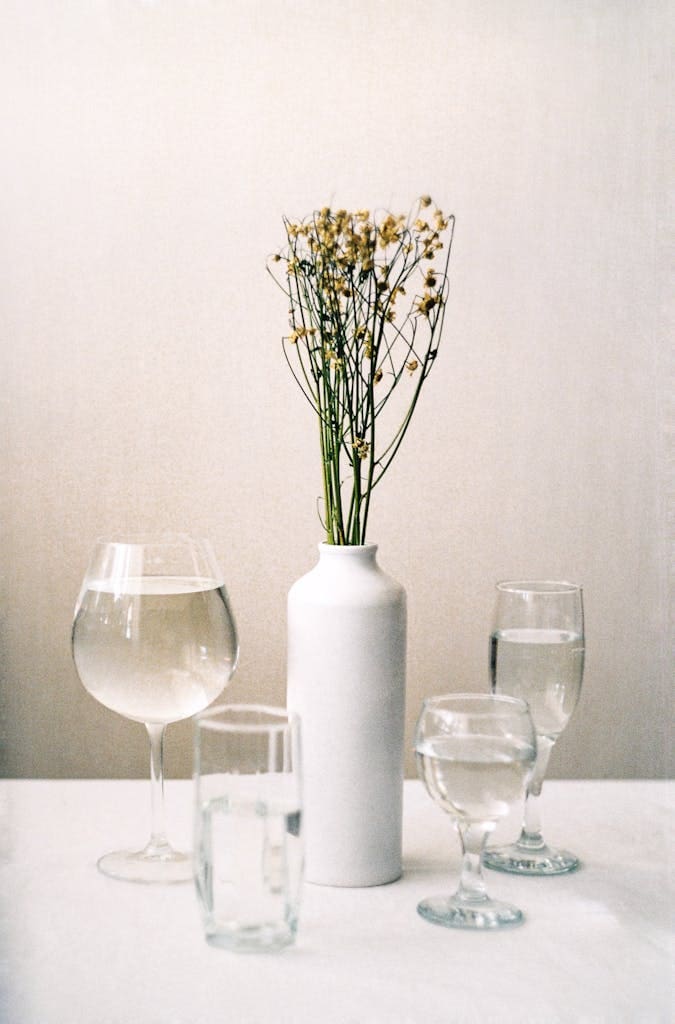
153 639
475 753
537 653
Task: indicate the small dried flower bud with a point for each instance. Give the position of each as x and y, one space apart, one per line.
427 303
390 230
361 447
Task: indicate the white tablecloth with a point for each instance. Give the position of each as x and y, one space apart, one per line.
79 948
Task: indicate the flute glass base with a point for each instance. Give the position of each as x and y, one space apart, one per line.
517 859
147 866
453 912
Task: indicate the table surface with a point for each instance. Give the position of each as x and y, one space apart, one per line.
596 946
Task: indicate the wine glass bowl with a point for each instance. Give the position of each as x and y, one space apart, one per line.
537 654
474 753
154 640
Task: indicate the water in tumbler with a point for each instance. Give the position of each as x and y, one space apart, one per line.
475 778
158 652
543 667
248 869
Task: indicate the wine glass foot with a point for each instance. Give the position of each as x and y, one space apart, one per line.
519 860
167 867
451 912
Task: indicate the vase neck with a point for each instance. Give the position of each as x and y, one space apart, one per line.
363 554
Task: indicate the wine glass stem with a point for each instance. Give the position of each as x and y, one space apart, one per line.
158 841
531 836
471 884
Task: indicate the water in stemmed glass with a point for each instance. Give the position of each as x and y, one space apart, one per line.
537 653
153 639
475 753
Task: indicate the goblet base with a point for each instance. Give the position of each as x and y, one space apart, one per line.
517 859
167 867
452 912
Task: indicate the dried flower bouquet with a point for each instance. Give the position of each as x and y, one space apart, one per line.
348 277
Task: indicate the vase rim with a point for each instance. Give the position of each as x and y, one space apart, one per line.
354 549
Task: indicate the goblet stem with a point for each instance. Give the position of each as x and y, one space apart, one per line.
158 843
471 883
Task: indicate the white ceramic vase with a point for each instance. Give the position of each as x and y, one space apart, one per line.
346 678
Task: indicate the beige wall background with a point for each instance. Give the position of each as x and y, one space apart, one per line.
149 151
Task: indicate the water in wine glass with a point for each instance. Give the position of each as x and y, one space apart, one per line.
475 778
158 652
542 666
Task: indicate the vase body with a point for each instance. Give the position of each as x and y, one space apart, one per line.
346 679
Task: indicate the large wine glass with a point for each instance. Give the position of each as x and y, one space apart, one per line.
474 753
537 653
153 639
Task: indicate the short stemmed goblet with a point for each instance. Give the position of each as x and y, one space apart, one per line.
537 654
475 753
153 639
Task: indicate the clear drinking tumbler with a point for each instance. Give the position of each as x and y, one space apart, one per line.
248 849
